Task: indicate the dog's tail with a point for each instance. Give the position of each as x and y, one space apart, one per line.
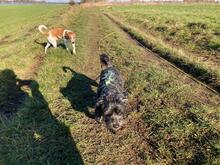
66 68
104 59
41 27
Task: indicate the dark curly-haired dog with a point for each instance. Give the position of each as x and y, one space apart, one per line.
111 97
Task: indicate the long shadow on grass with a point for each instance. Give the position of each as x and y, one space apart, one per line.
35 136
79 92
11 95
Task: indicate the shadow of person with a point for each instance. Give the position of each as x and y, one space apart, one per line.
79 92
35 135
50 129
11 95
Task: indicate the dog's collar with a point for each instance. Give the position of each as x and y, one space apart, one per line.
107 81
108 78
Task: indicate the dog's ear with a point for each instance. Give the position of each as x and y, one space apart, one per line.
65 35
108 112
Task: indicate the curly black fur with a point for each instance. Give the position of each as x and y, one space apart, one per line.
111 97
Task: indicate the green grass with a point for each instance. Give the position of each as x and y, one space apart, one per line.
34 135
19 31
184 34
176 126
193 26
168 120
18 17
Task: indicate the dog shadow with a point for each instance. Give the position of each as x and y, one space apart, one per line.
60 43
79 92
43 137
43 44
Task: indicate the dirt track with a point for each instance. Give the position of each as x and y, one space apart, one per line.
132 141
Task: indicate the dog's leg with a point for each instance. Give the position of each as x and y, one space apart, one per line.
65 43
98 114
74 47
46 47
52 41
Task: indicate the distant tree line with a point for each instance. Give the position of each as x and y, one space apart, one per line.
25 1
73 2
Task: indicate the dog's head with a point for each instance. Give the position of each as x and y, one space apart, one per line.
114 116
70 35
113 113
105 61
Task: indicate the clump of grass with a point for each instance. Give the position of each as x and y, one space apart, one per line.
193 25
161 28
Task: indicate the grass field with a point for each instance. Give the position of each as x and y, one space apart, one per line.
193 27
170 118
187 35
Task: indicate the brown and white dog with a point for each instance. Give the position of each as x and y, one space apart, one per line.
56 34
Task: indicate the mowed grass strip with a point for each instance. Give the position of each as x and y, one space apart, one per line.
203 64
